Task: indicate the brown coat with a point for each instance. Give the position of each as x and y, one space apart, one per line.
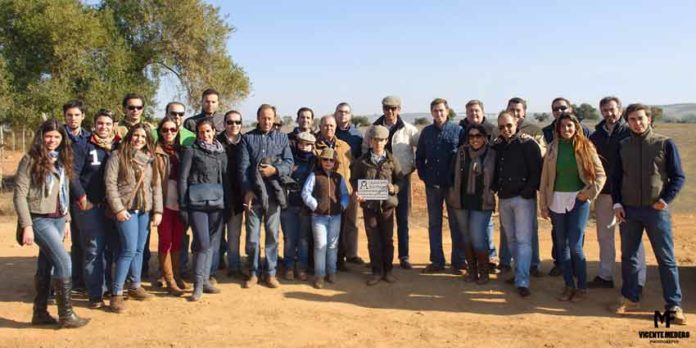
390 170
344 158
118 193
548 176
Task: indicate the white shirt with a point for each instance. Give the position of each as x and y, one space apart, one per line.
563 202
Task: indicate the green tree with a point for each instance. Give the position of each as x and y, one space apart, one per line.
541 117
657 113
360 121
451 114
586 112
421 121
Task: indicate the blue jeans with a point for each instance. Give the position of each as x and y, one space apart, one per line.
517 215
234 231
658 225
473 228
435 197
99 240
207 228
570 233
53 260
402 210
492 253
326 229
253 237
297 229
506 256
132 235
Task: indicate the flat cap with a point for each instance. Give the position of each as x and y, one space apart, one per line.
391 100
327 153
306 136
379 132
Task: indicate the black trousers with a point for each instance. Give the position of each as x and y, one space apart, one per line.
379 226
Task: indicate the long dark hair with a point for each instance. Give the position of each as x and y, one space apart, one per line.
42 164
582 146
160 138
126 151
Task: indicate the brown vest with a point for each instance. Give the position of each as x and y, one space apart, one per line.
327 192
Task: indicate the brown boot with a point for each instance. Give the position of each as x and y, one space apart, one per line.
176 271
117 305
483 267
165 260
471 266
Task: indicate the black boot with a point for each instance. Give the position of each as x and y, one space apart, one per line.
66 316
199 261
42 285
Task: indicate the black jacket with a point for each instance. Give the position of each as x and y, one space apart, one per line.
608 147
233 189
200 166
517 167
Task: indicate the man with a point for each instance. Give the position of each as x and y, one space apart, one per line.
349 133
209 104
560 106
647 177
606 138
517 175
437 144
264 156
475 116
73 113
402 143
305 123
518 108
178 110
326 138
133 106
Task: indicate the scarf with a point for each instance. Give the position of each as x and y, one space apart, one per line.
377 159
214 147
475 168
104 143
140 162
169 149
62 182
303 156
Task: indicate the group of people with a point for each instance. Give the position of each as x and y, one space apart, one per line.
108 186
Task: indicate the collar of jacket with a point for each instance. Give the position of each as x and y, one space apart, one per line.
399 123
367 157
618 127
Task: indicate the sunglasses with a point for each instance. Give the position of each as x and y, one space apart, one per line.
135 107
231 122
177 114
390 108
168 130
560 108
475 136
328 160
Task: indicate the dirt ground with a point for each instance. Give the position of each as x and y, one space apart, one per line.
419 310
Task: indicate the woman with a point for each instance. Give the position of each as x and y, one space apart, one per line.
380 164
296 223
98 234
572 175
326 195
133 191
202 177
171 230
41 200
231 139
473 199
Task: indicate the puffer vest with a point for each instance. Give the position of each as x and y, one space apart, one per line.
327 192
643 164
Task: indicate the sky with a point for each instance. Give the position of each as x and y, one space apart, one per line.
320 53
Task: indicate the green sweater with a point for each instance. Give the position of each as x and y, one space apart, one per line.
567 176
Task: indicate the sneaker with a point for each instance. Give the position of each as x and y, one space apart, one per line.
357 260
456 271
600 283
389 278
535 272
139 294
566 295
555 271
625 305
251 282
433 268
405 264
96 304
373 279
116 304
679 317
272 282
493 268
318 283
504 268
301 275
579 295
523 291
289 275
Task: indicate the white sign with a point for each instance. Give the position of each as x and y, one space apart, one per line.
373 190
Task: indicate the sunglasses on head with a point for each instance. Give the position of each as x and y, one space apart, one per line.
135 107
168 130
231 122
177 114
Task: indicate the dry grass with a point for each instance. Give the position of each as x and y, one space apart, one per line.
683 135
